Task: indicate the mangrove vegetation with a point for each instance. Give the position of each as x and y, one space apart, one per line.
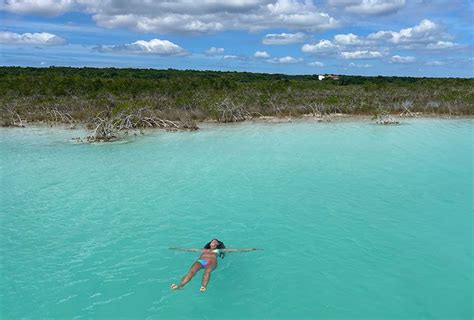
109 99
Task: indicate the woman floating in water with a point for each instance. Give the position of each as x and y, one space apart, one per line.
207 261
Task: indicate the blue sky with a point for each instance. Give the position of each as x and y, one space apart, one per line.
366 37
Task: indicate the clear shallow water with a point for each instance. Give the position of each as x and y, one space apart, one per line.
356 221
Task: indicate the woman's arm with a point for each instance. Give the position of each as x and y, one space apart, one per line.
239 250
188 249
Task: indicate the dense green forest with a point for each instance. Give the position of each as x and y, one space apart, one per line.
66 94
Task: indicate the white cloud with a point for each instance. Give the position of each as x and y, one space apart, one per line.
442 45
361 54
171 23
369 7
348 39
284 60
294 14
261 55
400 59
154 47
381 35
186 16
316 64
323 46
39 7
424 33
231 57
357 65
213 51
283 38
42 38
435 63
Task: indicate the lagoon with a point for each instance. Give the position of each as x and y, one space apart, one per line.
356 221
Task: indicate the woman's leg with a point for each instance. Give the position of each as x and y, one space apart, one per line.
205 277
188 276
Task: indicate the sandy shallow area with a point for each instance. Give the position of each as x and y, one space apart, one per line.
335 118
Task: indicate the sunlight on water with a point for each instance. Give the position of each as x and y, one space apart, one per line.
356 221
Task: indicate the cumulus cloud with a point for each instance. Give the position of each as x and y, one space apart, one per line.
153 47
294 14
261 55
213 51
185 16
348 39
361 54
231 57
442 45
323 46
285 60
315 64
435 63
290 14
41 38
171 23
39 7
369 7
358 65
400 59
424 33
283 38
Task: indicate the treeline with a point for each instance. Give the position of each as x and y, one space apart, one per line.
41 94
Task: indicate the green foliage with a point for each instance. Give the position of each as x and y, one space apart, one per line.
83 92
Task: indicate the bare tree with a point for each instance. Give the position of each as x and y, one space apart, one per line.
10 117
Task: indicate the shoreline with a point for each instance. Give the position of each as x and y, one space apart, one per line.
80 134
333 118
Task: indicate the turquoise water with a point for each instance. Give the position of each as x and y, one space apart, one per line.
356 221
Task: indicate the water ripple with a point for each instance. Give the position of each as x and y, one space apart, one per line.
356 220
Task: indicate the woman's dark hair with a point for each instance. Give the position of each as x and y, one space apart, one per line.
220 245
